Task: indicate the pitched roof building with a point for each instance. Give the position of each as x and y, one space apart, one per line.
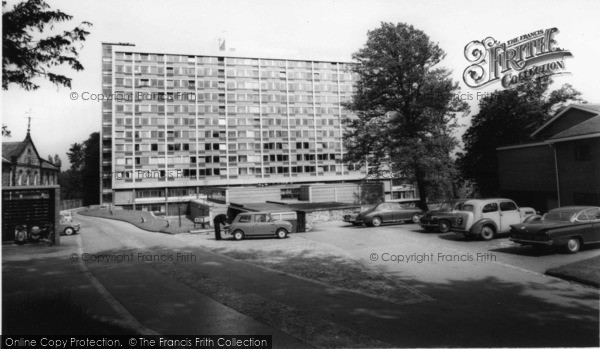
23 166
562 168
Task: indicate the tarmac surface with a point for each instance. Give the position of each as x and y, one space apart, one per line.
171 284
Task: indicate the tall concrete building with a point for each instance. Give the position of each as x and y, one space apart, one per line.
180 125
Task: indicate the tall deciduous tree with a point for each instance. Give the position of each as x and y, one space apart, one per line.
508 117
81 181
405 106
25 56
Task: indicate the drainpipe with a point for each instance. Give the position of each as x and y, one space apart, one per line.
556 171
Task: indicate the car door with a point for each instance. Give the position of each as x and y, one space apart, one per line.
491 211
593 215
397 211
384 211
263 225
509 214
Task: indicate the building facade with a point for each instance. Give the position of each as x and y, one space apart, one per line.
23 166
176 125
561 168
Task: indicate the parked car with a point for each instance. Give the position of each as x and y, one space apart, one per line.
257 224
569 227
67 226
441 219
486 218
388 212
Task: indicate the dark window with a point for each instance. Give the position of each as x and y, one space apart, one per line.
244 219
583 152
508 206
490 208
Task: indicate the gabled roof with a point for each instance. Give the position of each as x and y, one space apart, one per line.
48 164
10 149
592 108
587 129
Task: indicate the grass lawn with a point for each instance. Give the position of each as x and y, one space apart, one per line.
150 222
585 272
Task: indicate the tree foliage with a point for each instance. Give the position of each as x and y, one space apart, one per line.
5 131
406 109
25 57
508 117
81 180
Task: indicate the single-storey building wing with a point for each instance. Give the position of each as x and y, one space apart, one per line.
561 168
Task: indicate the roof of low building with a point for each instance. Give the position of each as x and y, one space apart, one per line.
590 128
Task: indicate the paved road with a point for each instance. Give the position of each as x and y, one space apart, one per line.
504 302
494 290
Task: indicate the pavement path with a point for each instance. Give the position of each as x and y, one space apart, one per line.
466 303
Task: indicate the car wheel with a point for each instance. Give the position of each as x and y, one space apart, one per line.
376 221
20 236
281 233
487 233
238 235
573 245
444 226
69 231
415 218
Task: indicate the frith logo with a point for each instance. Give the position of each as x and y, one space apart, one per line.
533 54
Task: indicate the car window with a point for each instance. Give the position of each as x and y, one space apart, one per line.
493 207
383 207
468 208
262 218
582 217
593 214
508 206
244 219
395 206
459 206
558 215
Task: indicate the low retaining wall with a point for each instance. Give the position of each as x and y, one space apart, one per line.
313 217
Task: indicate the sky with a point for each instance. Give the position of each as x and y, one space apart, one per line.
327 29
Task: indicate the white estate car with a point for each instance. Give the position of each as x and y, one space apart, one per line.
488 217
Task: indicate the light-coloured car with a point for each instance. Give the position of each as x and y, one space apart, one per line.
486 218
257 224
67 225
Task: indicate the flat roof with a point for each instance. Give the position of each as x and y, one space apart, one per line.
127 47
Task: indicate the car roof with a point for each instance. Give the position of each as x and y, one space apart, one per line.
260 212
471 201
573 208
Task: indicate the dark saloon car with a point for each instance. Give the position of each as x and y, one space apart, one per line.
441 219
569 227
387 212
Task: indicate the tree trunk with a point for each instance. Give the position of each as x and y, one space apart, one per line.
420 178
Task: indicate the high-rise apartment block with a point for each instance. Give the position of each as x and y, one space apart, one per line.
176 125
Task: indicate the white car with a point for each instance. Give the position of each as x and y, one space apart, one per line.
487 218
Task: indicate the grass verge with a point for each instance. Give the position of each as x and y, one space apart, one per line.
585 272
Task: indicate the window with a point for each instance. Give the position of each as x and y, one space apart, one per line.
493 207
244 218
262 218
582 152
508 206
593 214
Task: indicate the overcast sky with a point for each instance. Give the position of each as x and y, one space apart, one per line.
323 28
